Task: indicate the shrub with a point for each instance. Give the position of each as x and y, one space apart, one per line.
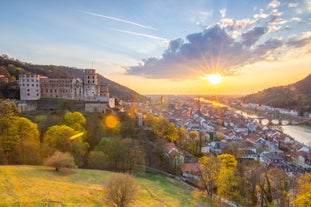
60 160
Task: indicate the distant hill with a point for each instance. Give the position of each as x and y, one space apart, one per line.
11 68
293 96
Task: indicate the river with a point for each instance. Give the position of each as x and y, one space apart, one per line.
300 133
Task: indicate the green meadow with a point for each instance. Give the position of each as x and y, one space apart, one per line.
42 186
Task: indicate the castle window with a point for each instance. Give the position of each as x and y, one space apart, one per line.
32 84
27 84
28 89
37 94
28 94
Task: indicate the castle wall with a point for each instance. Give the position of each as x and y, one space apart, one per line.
56 88
29 85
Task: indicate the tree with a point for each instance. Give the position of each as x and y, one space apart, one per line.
171 132
302 197
124 154
58 137
60 160
8 109
228 161
265 191
209 167
19 141
121 190
75 120
227 183
132 156
280 184
97 160
161 127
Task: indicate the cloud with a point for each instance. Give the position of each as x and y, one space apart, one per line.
142 35
210 51
223 13
308 4
232 24
261 15
298 43
274 4
298 20
250 37
202 18
117 19
292 5
227 46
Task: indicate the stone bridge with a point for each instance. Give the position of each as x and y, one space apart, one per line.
284 121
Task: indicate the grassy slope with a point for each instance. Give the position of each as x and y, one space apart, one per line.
84 188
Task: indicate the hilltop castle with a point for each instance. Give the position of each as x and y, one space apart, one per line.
36 87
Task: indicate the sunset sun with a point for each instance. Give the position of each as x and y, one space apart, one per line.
213 78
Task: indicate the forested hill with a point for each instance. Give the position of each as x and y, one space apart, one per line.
293 96
11 68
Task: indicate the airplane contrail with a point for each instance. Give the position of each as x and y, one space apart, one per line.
142 35
117 19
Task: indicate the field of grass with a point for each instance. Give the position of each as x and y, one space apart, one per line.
30 185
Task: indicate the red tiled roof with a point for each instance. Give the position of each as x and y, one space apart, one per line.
190 167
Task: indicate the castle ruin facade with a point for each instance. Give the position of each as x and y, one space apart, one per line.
36 87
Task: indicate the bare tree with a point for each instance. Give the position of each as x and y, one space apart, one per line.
121 190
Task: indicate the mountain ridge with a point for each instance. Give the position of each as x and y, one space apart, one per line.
293 96
11 68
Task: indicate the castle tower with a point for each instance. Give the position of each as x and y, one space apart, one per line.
90 83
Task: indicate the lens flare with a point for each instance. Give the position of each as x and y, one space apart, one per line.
111 121
76 136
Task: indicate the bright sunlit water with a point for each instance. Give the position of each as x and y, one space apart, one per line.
300 133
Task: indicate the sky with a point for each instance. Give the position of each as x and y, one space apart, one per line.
166 46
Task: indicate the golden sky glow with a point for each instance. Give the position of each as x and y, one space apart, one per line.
252 78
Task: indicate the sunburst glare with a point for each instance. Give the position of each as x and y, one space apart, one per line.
213 78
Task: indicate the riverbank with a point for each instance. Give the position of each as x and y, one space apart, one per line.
301 134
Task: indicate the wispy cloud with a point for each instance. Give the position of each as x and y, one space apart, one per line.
223 12
117 19
142 35
274 4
